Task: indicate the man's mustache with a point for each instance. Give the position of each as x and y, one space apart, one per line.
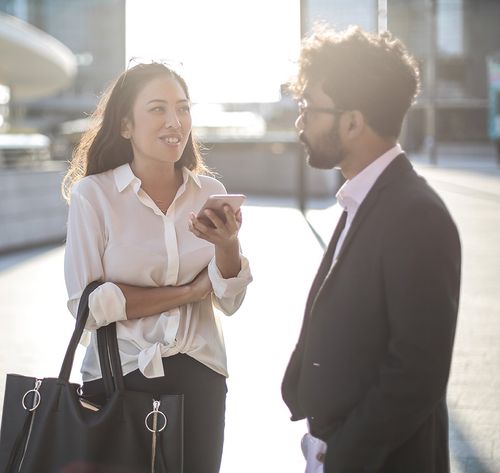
304 140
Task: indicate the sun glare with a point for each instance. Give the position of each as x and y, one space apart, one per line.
230 50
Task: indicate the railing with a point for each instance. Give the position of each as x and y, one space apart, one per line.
23 150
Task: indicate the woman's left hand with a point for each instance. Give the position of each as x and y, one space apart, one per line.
223 234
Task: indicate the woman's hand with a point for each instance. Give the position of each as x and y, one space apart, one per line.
224 235
201 286
146 301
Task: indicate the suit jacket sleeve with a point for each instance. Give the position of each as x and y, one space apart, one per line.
290 382
421 279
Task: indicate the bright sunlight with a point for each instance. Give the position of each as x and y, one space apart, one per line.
230 50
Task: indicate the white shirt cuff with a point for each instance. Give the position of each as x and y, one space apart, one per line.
107 304
232 286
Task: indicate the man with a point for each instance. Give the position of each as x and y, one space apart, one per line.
371 366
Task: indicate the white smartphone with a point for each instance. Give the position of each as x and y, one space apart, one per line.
216 203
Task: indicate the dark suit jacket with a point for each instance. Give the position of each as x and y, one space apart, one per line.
371 365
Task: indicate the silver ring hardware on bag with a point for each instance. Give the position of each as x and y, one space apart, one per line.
36 396
79 391
154 413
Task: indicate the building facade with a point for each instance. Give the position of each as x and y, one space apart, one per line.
467 33
94 30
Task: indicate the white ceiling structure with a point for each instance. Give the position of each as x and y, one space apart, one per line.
33 64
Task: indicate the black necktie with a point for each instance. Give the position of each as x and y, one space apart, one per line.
332 246
326 262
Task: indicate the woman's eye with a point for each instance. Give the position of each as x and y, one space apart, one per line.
184 109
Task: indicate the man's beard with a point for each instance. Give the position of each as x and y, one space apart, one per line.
328 152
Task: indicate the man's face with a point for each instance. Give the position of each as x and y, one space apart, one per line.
318 125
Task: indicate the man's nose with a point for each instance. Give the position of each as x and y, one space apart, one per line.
299 123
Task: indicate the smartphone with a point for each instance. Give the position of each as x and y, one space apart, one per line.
216 203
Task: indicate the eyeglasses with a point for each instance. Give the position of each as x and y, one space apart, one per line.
139 61
305 109
167 62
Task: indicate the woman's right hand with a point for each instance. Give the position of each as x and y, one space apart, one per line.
201 285
146 301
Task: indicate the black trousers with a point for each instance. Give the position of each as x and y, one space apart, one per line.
204 406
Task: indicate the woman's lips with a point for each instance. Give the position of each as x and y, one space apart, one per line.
171 140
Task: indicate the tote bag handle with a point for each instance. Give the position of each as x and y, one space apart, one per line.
109 355
81 320
109 359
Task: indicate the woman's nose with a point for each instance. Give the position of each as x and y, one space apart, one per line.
172 120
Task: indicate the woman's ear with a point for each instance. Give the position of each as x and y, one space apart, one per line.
126 129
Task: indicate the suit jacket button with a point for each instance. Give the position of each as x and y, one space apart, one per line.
316 365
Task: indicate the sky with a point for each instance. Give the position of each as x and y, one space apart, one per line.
230 50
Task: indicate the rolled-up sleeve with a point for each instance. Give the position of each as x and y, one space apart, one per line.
83 264
229 293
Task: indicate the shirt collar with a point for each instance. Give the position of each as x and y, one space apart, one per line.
353 192
187 173
124 177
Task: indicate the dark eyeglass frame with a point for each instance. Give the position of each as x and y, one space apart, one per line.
304 109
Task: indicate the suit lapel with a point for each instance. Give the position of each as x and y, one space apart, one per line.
394 171
324 265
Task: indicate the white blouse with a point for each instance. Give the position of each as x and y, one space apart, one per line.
117 234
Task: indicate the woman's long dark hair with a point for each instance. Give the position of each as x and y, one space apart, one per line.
102 147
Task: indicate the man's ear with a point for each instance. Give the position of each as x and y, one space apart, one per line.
355 123
126 128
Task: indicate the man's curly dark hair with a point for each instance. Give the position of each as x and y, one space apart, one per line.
371 73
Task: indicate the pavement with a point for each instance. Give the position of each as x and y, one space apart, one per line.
284 254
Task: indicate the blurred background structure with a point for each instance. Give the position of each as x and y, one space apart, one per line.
57 56
94 32
248 132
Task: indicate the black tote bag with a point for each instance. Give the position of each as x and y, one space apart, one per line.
48 428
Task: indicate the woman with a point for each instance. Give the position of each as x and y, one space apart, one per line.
135 185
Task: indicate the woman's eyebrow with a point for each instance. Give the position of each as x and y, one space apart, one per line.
165 101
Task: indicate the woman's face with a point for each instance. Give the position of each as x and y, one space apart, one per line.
161 121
